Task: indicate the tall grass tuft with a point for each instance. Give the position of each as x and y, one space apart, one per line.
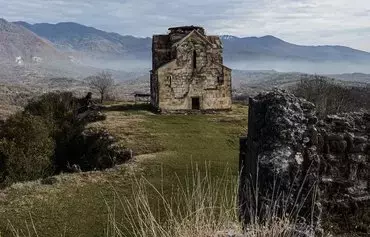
197 206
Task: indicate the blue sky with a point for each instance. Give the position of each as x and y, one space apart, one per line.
308 22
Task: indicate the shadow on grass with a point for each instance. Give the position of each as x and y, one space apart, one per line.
130 107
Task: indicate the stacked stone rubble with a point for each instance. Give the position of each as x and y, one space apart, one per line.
311 164
280 164
344 145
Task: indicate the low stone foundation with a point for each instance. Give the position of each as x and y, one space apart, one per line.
190 111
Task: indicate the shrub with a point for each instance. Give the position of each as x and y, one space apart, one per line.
72 146
49 137
59 110
26 148
93 149
55 107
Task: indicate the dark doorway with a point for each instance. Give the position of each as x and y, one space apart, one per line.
195 103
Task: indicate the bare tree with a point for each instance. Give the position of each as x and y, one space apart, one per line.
102 82
330 97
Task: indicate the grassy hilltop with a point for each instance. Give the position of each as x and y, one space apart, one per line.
167 149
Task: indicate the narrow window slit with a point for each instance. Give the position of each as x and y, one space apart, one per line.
194 59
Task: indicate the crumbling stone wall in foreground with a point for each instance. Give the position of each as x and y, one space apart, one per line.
316 171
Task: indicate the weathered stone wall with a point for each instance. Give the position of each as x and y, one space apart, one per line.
161 50
153 88
314 165
279 167
189 68
343 143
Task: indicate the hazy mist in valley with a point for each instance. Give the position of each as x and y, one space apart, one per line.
300 66
131 65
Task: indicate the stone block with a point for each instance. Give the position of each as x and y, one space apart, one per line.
286 146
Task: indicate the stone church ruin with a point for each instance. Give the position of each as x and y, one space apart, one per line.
188 72
316 170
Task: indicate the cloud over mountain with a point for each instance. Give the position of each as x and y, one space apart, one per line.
313 22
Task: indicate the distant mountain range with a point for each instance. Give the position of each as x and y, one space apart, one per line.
49 57
69 36
73 36
270 47
26 57
92 47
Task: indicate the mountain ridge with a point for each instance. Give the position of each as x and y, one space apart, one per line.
99 48
71 36
59 33
19 43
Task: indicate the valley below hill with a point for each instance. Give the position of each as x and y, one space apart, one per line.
41 58
32 82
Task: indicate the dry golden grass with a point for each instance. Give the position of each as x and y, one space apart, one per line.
199 205
130 129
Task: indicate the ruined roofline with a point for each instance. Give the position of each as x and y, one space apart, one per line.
223 65
186 28
203 37
159 35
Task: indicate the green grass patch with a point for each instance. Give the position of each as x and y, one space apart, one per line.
168 147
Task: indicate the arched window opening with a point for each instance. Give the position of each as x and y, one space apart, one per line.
220 80
169 80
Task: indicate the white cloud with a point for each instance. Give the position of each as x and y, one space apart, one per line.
339 22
